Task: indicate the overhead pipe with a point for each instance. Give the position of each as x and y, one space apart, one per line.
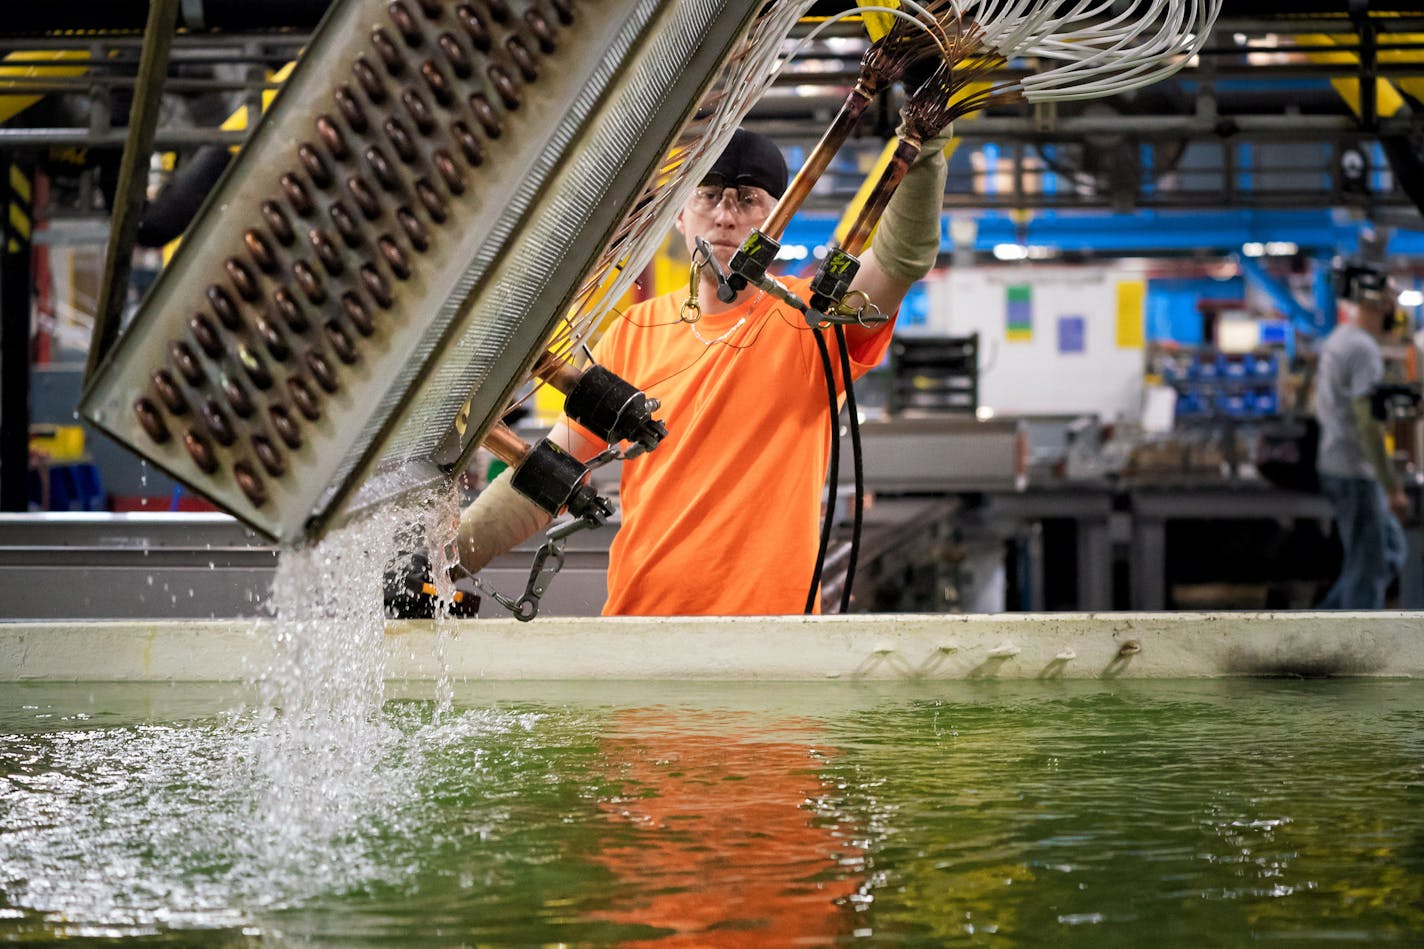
59 16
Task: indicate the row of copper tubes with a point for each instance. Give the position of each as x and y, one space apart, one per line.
300 290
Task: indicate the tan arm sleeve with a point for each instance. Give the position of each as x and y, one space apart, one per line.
906 241
498 519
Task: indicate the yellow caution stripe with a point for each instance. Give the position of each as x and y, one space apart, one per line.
29 70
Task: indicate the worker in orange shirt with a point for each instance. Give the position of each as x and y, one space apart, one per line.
722 519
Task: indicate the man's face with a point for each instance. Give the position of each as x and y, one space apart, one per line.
1377 311
722 217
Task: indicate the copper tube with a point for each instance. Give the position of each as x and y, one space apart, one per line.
286 427
268 454
277 220
314 164
504 85
241 278
200 451
439 85
540 29
401 141
358 314
345 224
420 113
309 282
269 335
499 10
206 335
485 114
469 144
382 168
377 286
506 445
150 419
387 50
168 392
394 256
449 172
364 196
341 342
869 216
236 396
304 398
475 26
816 163
326 251
523 58
253 365
415 232
351 109
369 79
557 373
328 132
186 362
250 483
290 310
321 370
217 422
405 22
297 194
224 307
432 202
259 250
455 55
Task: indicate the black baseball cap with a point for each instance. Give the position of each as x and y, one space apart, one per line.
749 159
1361 281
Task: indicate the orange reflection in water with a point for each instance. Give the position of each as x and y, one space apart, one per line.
728 848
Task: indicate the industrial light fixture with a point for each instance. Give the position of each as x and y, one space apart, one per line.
1269 249
1411 297
1023 252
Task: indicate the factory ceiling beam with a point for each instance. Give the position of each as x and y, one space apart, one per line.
129 16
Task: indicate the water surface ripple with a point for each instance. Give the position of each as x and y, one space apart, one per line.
1067 813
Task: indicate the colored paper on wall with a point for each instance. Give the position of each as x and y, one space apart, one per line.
1131 314
1072 334
1018 305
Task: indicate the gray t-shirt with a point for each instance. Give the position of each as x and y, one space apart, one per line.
1350 366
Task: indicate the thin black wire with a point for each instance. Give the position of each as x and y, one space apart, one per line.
856 463
834 472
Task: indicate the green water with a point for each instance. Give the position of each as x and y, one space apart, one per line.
1065 814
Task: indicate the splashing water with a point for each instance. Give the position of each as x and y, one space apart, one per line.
313 787
324 760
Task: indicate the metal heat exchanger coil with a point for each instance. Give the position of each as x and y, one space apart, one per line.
377 271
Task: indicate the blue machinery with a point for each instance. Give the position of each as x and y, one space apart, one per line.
1320 233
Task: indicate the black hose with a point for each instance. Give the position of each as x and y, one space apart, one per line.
856 465
169 214
830 375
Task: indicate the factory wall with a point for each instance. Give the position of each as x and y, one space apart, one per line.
1053 340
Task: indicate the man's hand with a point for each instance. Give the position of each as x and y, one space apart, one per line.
1399 503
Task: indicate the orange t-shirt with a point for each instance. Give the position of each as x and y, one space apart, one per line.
723 518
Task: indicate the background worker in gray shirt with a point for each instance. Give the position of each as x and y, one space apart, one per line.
1355 472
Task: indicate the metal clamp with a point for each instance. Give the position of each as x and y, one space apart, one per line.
549 559
691 309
